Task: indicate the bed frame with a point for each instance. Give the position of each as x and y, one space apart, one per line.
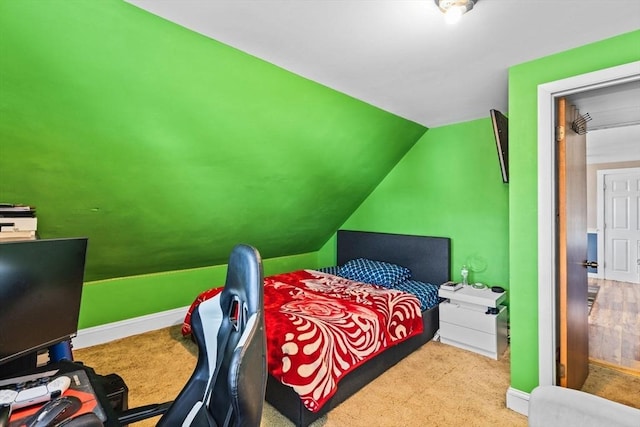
429 261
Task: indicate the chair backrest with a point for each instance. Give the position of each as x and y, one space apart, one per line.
228 384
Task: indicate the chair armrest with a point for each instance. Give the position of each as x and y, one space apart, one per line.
140 413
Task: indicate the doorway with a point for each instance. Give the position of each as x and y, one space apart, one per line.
547 295
614 336
618 218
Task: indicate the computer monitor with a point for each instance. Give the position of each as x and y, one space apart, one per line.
40 291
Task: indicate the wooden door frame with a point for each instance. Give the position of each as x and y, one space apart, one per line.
547 258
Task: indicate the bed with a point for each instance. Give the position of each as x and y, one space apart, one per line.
427 258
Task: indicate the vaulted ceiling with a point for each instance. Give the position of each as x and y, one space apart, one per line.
400 55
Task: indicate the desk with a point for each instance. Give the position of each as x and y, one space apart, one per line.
68 367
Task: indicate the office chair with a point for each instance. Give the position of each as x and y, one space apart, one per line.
228 384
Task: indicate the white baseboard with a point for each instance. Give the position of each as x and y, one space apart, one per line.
518 401
125 328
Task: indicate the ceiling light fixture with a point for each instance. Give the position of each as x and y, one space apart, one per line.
454 9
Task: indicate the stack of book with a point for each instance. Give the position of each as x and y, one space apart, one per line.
451 286
17 222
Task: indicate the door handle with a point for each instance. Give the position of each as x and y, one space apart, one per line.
592 264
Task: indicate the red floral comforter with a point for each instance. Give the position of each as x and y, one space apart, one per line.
320 327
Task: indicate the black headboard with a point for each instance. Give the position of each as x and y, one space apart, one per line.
428 258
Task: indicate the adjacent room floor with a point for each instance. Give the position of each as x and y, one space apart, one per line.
614 325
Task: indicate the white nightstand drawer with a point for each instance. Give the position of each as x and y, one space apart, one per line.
452 334
462 316
467 294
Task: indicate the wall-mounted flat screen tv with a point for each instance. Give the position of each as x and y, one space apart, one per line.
501 133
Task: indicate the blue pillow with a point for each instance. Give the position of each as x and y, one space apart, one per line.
330 270
426 293
374 272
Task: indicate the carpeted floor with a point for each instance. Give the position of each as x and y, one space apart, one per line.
438 385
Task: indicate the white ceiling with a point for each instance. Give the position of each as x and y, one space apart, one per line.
610 107
612 145
400 55
613 124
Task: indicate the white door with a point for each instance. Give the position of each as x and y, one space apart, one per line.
622 226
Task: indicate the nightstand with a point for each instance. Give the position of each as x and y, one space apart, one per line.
474 320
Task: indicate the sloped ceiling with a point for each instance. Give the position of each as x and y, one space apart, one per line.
400 55
166 148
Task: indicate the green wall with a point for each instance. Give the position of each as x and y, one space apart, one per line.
448 185
112 300
523 188
166 148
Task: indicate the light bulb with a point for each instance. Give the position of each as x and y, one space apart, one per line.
453 14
